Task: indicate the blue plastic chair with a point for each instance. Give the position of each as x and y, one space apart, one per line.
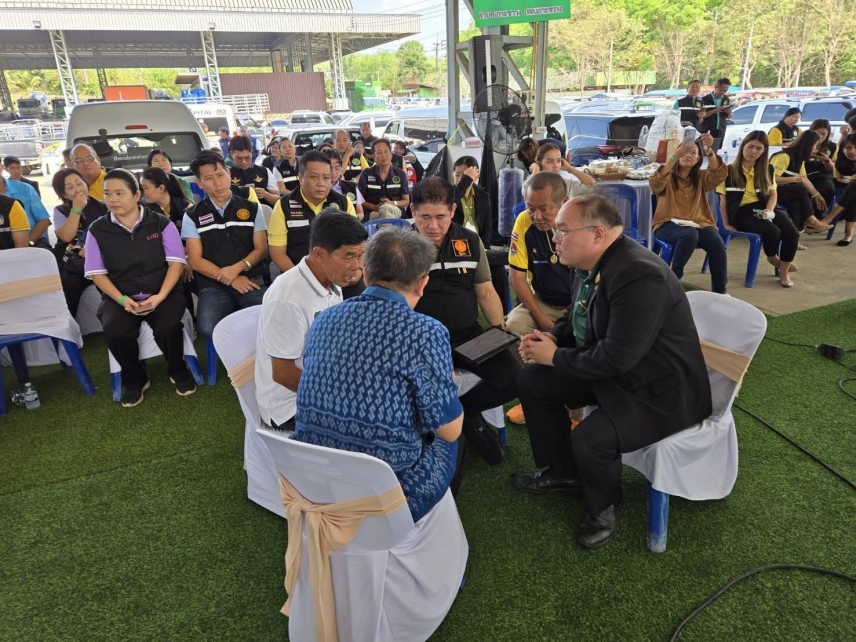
211 362
838 192
627 193
15 344
372 227
192 365
581 160
754 247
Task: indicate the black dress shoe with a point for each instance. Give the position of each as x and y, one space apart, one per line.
543 482
597 531
483 438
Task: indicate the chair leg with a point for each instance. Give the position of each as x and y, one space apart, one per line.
832 230
212 363
2 396
62 363
19 362
704 264
195 369
116 385
752 263
658 519
79 366
502 439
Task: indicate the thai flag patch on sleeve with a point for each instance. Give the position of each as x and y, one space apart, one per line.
206 219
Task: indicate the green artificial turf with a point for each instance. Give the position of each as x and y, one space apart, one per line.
149 535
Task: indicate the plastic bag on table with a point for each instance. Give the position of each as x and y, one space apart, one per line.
666 126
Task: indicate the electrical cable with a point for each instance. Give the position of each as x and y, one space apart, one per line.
786 343
772 567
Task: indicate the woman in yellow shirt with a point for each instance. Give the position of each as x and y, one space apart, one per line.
795 189
785 132
748 200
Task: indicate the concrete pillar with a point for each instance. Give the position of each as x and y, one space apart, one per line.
308 64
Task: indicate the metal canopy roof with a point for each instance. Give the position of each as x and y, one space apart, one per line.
147 33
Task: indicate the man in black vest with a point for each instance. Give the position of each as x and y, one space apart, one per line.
288 232
458 286
226 243
367 139
352 163
628 345
717 106
338 184
383 182
690 105
258 178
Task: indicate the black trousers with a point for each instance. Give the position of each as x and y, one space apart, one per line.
589 452
498 379
824 184
122 331
73 286
795 199
780 229
499 278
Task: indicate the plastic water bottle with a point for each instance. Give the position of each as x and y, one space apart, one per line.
643 137
31 397
725 157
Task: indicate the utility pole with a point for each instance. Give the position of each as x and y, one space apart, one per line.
609 71
437 45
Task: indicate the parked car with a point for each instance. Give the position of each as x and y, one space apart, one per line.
275 125
599 106
25 141
377 120
339 116
764 114
603 134
306 117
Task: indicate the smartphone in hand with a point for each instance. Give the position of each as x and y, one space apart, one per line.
145 308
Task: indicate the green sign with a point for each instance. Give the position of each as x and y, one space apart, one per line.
493 13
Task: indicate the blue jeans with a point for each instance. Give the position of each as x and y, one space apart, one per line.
215 304
685 240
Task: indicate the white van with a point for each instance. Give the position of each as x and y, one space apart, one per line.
124 132
213 116
424 129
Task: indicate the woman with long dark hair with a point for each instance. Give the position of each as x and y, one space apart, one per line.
845 161
793 185
72 218
819 168
748 199
159 158
549 158
135 258
683 217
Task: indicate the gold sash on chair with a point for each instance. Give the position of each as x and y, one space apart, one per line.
724 361
244 372
30 287
328 528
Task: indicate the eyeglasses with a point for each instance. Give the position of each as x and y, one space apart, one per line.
559 235
88 159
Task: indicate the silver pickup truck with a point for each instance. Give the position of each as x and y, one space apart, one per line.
24 141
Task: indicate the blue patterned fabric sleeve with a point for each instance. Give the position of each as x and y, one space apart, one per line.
436 392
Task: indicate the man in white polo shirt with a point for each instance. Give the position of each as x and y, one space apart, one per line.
335 260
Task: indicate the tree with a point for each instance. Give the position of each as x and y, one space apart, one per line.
412 61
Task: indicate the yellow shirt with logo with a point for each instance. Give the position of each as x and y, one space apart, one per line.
277 230
749 195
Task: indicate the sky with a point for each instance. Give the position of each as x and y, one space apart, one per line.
433 14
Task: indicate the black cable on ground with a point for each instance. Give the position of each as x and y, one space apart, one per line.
787 343
845 390
772 567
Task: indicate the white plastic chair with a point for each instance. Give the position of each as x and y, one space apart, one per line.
149 349
235 340
700 462
395 580
35 325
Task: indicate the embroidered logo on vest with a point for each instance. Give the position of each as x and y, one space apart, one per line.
461 247
206 219
396 179
243 214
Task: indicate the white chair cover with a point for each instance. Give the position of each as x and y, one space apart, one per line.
148 347
466 381
39 313
395 580
235 341
701 462
87 312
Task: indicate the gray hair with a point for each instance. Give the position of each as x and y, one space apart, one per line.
397 258
547 180
87 146
598 210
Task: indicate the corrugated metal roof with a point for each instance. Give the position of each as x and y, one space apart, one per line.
159 20
290 6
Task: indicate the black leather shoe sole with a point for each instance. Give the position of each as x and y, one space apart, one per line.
521 481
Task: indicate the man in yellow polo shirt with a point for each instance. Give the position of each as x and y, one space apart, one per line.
14 224
288 229
87 162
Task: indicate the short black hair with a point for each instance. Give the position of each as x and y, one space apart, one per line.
240 144
206 158
851 122
333 228
432 190
400 143
380 141
723 81
332 155
692 81
157 152
313 156
791 112
11 160
469 161
850 114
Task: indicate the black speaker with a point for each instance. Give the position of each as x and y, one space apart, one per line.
486 68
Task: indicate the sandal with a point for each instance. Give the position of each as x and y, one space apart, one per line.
843 243
801 247
786 284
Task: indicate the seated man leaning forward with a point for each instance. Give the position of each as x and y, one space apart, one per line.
293 302
411 416
629 346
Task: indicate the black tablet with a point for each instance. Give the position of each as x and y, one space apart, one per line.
489 343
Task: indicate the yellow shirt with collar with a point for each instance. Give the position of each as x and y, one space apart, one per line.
278 231
780 164
96 190
749 195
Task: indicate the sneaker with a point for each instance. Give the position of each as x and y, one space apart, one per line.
133 395
483 438
184 388
515 415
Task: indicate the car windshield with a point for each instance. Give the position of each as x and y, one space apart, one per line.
131 152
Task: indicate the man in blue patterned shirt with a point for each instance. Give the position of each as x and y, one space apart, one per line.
409 415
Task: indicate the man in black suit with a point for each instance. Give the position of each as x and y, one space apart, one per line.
628 345
16 173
